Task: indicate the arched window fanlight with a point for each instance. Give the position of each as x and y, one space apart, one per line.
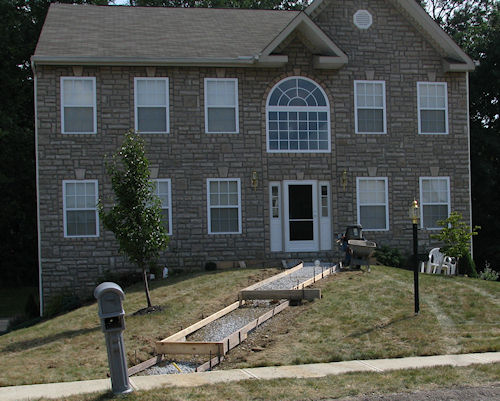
298 117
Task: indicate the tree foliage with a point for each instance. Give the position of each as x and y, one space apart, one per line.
456 236
20 25
262 4
135 218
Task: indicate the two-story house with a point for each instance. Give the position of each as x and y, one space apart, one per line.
267 131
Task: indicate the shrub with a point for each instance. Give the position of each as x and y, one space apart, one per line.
467 266
389 256
64 301
123 279
210 266
488 273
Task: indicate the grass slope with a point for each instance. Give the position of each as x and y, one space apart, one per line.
361 315
370 315
71 346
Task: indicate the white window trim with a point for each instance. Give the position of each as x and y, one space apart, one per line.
94 105
386 204
167 107
384 108
209 207
235 106
271 186
169 206
422 203
95 208
419 109
299 109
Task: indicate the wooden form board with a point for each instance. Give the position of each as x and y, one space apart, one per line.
317 277
295 295
216 348
181 335
190 348
274 278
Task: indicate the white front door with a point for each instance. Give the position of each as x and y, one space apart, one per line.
301 216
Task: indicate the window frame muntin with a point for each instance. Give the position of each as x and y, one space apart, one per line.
167 106
209 206
419 109
386 204
94 105
236 106
169 206
299 109
384 107
448 183
65 209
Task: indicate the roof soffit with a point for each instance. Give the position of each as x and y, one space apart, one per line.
426 26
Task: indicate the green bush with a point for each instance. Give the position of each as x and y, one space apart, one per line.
389 256
488 273
466 266
63 302
122 279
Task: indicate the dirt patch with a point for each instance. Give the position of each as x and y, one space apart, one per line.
148 310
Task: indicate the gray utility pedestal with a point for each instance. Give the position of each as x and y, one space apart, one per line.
109 298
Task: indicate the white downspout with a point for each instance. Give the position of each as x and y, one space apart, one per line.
470 167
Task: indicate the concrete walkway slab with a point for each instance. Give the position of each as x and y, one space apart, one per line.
54 390
61 390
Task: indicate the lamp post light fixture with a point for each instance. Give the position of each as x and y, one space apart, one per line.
255 180
414 214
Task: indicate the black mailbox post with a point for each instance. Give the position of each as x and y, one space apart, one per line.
109 299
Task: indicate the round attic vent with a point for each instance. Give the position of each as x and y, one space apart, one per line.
363 19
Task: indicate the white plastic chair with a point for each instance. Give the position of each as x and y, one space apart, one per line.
435 262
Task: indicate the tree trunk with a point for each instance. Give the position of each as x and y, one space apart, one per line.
146 286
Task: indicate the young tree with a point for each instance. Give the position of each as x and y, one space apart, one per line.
456 236
135 218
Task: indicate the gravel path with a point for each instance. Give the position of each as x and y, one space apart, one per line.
230 323
295 278
237 319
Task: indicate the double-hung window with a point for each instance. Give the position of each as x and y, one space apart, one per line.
370 110
298 117
432 107
80 208
434 201
162 189
78 105
151 105
221 105
224 206
373 204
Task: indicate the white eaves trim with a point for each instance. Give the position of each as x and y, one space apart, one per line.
331 55
456 60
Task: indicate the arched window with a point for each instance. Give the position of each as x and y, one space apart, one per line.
298 117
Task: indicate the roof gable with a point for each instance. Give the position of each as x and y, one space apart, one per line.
454 58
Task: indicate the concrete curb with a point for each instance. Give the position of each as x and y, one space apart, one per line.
140 383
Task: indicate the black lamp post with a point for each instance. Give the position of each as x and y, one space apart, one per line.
414 216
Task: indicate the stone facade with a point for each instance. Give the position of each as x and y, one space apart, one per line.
392 50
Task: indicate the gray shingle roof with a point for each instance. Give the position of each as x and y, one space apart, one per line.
85 31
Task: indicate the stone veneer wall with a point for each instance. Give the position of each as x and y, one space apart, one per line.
391 50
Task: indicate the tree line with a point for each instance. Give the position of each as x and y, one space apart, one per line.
473 24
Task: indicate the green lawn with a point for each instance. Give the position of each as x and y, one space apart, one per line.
361 315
